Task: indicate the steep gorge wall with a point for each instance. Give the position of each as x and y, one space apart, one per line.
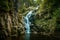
45 20
9 16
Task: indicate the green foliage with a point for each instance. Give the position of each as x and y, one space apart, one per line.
57 15
4 5
47 15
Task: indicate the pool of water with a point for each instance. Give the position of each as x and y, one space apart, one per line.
33 37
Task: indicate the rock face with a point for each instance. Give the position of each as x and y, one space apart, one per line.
21 23
5 24
43 24
45 18
10 20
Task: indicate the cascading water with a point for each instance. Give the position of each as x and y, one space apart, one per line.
27 22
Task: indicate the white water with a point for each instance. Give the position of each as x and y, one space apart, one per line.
27 22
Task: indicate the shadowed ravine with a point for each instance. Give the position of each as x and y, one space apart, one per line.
29 19
31 36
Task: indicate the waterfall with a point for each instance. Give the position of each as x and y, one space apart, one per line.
27 22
